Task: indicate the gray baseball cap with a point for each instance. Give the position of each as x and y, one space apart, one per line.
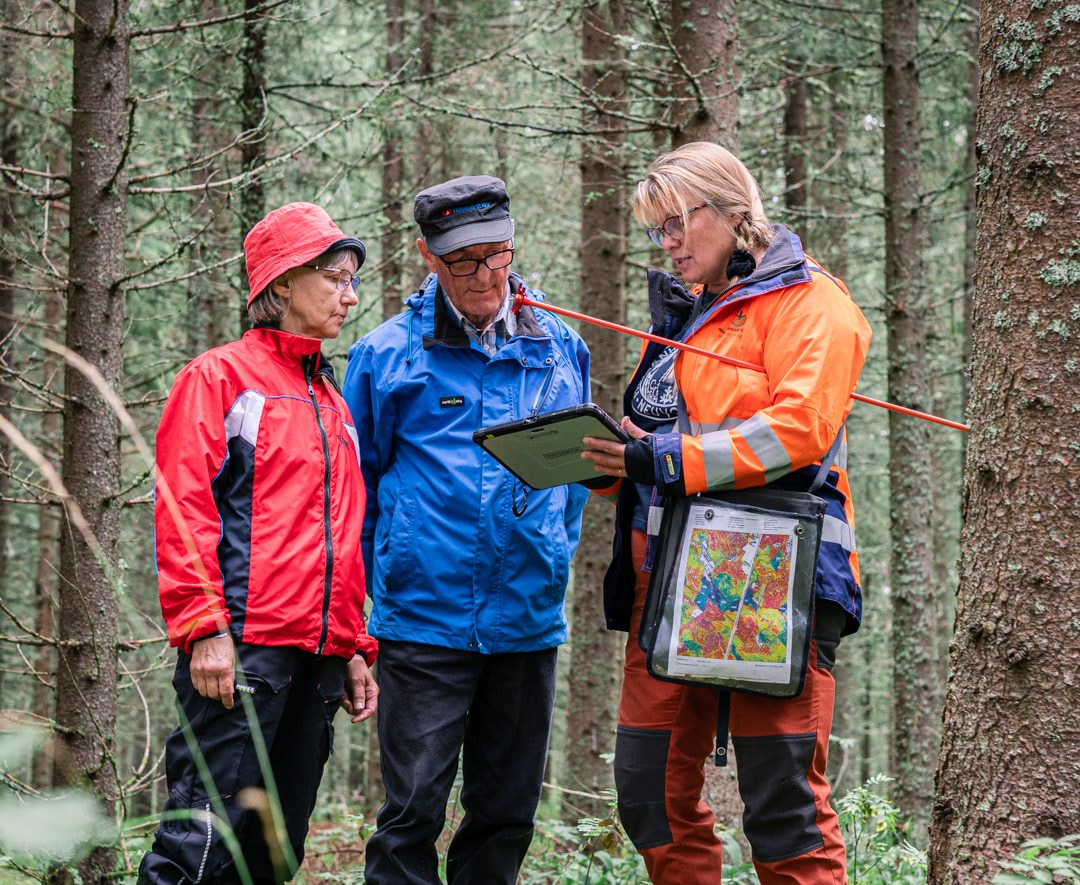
463 212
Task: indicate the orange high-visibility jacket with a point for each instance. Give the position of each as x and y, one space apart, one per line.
750 428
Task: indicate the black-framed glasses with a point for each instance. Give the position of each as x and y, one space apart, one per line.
673 226
466 267
342 277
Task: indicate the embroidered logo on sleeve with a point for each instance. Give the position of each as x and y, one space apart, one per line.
448 402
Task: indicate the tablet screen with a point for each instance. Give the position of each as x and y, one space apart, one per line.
545 451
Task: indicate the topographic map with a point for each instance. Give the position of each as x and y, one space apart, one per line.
735 600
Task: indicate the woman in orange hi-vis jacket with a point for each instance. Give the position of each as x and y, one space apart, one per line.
757 297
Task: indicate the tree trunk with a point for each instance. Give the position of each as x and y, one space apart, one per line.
704 74
46 586
970 168
211 300
428 167
834 237
393 238
86 665
1010 754
916 687
795 147
594 652
253 125
9 156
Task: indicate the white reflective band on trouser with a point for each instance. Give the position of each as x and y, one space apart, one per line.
836 531
656 514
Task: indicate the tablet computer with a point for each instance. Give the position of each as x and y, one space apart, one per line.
545 450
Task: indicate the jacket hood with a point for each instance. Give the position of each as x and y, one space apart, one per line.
783 264
667 297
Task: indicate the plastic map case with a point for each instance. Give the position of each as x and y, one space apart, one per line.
731 596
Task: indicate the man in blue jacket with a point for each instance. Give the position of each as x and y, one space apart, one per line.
466 566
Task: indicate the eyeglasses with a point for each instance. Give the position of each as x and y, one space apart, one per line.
342 277
672 226
466 267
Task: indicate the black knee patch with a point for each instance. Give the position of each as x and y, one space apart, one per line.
780 818
640 780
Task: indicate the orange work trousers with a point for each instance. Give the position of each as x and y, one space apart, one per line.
666 733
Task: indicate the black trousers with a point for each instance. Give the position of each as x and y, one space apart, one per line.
286 696
493 709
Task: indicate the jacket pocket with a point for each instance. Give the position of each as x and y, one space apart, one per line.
395 543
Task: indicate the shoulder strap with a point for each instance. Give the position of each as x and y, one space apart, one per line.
827 462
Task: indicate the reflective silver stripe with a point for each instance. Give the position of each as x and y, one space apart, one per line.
764 443
656 514
244 417
349 429
712 427
839 532
719 463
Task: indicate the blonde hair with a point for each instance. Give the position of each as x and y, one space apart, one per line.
697 172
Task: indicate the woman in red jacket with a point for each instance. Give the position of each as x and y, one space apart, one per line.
757 297
258 511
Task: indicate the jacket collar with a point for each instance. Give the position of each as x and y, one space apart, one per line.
282 344
291 350
439 325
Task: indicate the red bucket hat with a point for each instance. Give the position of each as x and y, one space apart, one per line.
289 237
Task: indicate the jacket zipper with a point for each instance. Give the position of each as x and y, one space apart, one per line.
542 394
309 363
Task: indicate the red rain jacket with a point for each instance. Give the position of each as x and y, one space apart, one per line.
261 533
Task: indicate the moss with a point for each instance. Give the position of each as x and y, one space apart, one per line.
1034 221
1066 15
1046 80
1019 46
1060 329
1061 273
1043 122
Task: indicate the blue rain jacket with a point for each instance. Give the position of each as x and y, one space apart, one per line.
448 563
